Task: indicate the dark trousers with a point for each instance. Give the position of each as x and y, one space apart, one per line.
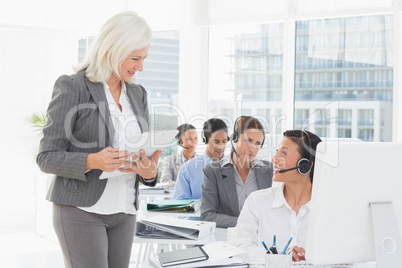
90 240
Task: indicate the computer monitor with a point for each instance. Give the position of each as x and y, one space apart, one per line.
348 176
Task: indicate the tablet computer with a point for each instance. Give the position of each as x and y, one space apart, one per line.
148 141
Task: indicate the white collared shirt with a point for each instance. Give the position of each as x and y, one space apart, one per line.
119 193
265 214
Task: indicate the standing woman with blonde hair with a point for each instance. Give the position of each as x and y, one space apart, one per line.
90 115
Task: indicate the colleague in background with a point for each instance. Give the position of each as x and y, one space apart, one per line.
90 115
189 180
283 210
229 182
187 139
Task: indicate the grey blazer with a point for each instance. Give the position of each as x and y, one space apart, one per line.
171 166
219 202
79 123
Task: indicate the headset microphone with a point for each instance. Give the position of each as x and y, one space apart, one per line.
303 167
184 146
233 148
289 169
180 143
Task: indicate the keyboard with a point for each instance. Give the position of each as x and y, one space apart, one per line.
301 264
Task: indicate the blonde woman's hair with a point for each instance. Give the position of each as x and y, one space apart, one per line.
119 36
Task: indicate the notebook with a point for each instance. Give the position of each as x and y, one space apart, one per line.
183 256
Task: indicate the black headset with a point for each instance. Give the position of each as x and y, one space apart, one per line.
180 135
235 135
205 126
204 139
304 163
180 143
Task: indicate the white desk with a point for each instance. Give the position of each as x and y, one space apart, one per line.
173 244
146 264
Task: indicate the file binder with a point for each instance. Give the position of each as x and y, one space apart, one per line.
153 190
220 254
189 205
164 227
182 256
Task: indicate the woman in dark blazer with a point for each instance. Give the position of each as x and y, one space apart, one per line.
90 115
227 183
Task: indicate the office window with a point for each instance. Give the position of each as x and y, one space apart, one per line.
344 132
332 5
322 121
366 117
161 79
301 118
366 134
344 117
349 61
245 72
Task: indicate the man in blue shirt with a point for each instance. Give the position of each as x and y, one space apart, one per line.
190 177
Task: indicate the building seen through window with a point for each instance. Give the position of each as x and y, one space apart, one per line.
348 61
343 76
251 71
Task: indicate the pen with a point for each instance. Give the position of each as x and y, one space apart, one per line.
266 248
273 250
287 245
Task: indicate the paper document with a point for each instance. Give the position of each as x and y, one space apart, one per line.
148 141
221 250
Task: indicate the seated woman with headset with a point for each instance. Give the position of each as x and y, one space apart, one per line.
283 210
188 140
227 183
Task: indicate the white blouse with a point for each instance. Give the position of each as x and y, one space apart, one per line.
119 193
265 214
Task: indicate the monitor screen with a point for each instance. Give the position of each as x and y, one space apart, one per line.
347 177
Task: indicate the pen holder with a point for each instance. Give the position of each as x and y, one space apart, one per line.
278 261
